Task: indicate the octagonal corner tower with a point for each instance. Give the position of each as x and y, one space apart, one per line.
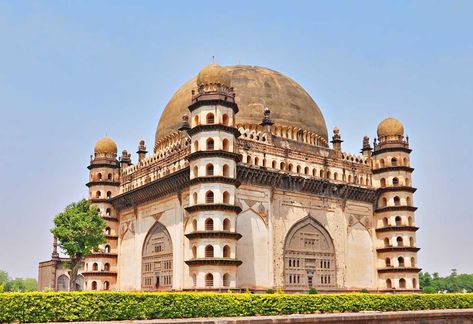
255 88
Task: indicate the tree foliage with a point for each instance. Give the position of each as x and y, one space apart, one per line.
17 284
454 282
79 230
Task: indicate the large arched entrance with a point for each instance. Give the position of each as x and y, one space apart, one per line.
157 260
309 257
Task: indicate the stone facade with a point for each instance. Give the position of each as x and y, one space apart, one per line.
251 202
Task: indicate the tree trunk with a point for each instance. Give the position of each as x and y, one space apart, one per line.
75 265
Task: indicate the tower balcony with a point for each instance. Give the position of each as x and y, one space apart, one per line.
213 234
213 127
393 168
213 206
397 228
399 269
214 154
213 261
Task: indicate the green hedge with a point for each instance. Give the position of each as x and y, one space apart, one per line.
88 306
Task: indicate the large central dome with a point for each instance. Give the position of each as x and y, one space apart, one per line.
255 88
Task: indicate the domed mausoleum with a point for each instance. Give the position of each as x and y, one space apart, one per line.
244 189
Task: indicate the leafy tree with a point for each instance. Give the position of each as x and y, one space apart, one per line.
452 283
18 284
79 230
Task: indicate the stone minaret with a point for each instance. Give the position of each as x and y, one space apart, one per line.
394 213
213 166
100 268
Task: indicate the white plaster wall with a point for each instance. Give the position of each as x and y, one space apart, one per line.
359 258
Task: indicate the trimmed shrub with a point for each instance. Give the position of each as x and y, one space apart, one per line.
106 306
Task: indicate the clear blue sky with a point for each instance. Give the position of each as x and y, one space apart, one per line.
73 71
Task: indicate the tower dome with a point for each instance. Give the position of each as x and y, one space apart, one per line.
105 145
390 127
213 74
255 87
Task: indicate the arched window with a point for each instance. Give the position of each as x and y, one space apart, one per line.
381 162
106 285
413 262
194 252
106 267
95 266
226 224
209 170
328 175
109 194
321 173
98 194
226 280
196 171
389 284
399 241
388 262
314 172
210 144
386 242
291 167
382 182
335 176
196 120
194 225
226 251
282 166
405 162
355 179
397 201
414 283
306 170
349 178
226 145
409 219
109 177
385 222
402 283
99 176
226 197
273 164
407 182
94 285
107 249
400 261
393 162
408 201
108 231
209 197
298 169
225 119
411 241
209 224
209 280
248 159
194 279
256 161
209 251
398 221
226 170
395 182
383 202
210 118
196 146
194 197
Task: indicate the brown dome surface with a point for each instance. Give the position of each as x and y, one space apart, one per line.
255 88
390 127
105 145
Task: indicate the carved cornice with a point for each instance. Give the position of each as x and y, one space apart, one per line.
396 208
213 234
398 249
156 189
393 168
102 255
104 164
399 269
110 218
320 187
99 273
214 153
214 127
111 237
397 188
223 207
100 200
213 261
397 229
392 149
103 183
218 100
215 179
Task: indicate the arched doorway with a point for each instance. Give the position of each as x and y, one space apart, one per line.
309 257
156 271
63 283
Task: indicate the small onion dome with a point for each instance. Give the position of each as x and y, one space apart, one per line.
213 74
105 145
390 127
